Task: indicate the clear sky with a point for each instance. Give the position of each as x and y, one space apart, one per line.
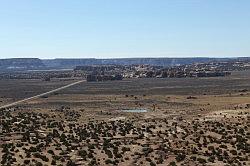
124 28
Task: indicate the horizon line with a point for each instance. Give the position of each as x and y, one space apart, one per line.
133 58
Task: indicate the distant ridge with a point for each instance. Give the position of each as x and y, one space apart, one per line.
20 64
69 63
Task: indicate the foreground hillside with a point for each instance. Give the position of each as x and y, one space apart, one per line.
196 121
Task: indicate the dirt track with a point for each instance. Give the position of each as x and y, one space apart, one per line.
40 95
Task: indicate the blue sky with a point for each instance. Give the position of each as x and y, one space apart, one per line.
124 28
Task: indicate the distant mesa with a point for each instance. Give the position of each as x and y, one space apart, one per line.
45 64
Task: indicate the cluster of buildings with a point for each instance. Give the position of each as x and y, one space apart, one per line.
44 74
194 70
100 78
211 69
180 74
118 72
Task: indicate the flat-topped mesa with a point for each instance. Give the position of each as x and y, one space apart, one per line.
21 64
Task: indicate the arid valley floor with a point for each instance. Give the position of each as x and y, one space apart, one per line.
189 121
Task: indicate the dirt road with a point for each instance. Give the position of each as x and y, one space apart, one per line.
40 95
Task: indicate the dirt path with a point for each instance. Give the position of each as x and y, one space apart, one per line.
40 95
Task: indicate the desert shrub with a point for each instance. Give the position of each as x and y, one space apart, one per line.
108 161
148 159
53 162
26 161
38 155
152 163
39 164
51 152
201 160
82 153
124 149
71 163
109 153
211 159
180 157
172 163
233 152
193 158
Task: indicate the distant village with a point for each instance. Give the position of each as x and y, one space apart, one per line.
98 73
118 72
